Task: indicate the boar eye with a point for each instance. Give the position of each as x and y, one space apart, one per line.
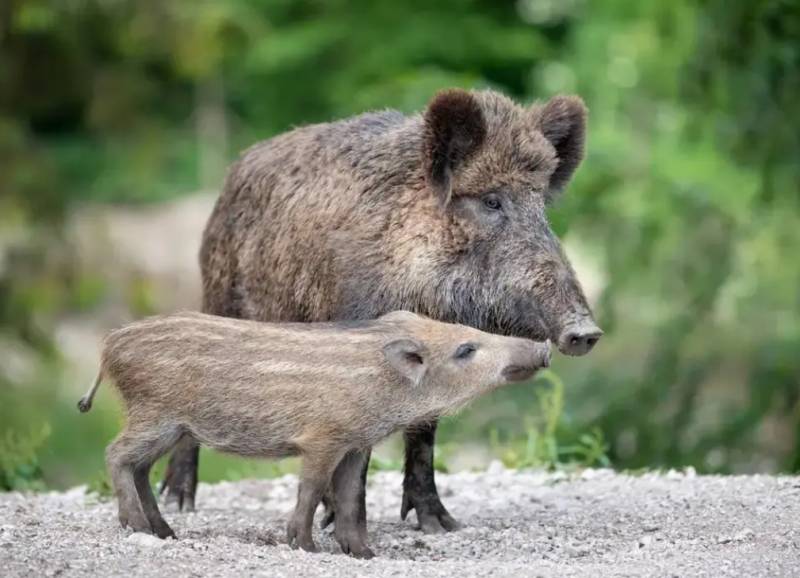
465 351
492 202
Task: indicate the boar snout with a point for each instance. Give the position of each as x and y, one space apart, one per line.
527 360
579 339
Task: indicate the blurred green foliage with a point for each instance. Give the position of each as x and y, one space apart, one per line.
687 203
100 486
546 443
19 461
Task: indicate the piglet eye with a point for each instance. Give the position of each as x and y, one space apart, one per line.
465 351
492 203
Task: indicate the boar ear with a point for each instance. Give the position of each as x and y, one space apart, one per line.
454 129
408 357
562 121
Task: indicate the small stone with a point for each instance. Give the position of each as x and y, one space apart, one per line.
596 474
645 541
651 528
419 544
145 540
575 552
495 467
741 536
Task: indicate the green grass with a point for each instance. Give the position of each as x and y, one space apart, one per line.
547 444
20 468
100 486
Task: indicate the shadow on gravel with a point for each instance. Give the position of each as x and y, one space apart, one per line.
254 536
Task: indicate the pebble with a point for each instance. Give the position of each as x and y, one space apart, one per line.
495 467
645 541
146 540
515 524
741 536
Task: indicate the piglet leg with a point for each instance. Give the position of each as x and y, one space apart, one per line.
349 490
315 475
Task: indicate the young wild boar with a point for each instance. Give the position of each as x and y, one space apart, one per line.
442 213
318 390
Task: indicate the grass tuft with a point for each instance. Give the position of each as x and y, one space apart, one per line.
20 469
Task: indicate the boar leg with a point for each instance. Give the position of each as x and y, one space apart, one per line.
419 487
315 475
180 479
349 494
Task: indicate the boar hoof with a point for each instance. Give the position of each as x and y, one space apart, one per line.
432 516
437 523
180 494
180 479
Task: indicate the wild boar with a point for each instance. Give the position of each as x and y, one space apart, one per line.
319 390
442 213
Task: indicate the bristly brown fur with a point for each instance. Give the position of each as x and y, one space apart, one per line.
341 221
563 123
318 390
442 213
454 130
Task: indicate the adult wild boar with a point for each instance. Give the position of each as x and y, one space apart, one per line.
442 213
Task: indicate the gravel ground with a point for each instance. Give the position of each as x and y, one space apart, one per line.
597 523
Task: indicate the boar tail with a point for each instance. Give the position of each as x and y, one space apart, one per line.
85 404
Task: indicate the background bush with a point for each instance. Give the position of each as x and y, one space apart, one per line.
686 208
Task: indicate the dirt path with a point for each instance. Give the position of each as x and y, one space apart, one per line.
516 524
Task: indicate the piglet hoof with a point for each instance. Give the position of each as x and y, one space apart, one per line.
297 539
363 553
134 520
164 531
139 526
308 545
432 516
355 547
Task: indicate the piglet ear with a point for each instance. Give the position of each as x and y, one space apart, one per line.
454 129
562 121
408 357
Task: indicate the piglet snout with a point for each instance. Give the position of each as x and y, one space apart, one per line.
526 360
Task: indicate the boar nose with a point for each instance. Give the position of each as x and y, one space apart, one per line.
579 340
